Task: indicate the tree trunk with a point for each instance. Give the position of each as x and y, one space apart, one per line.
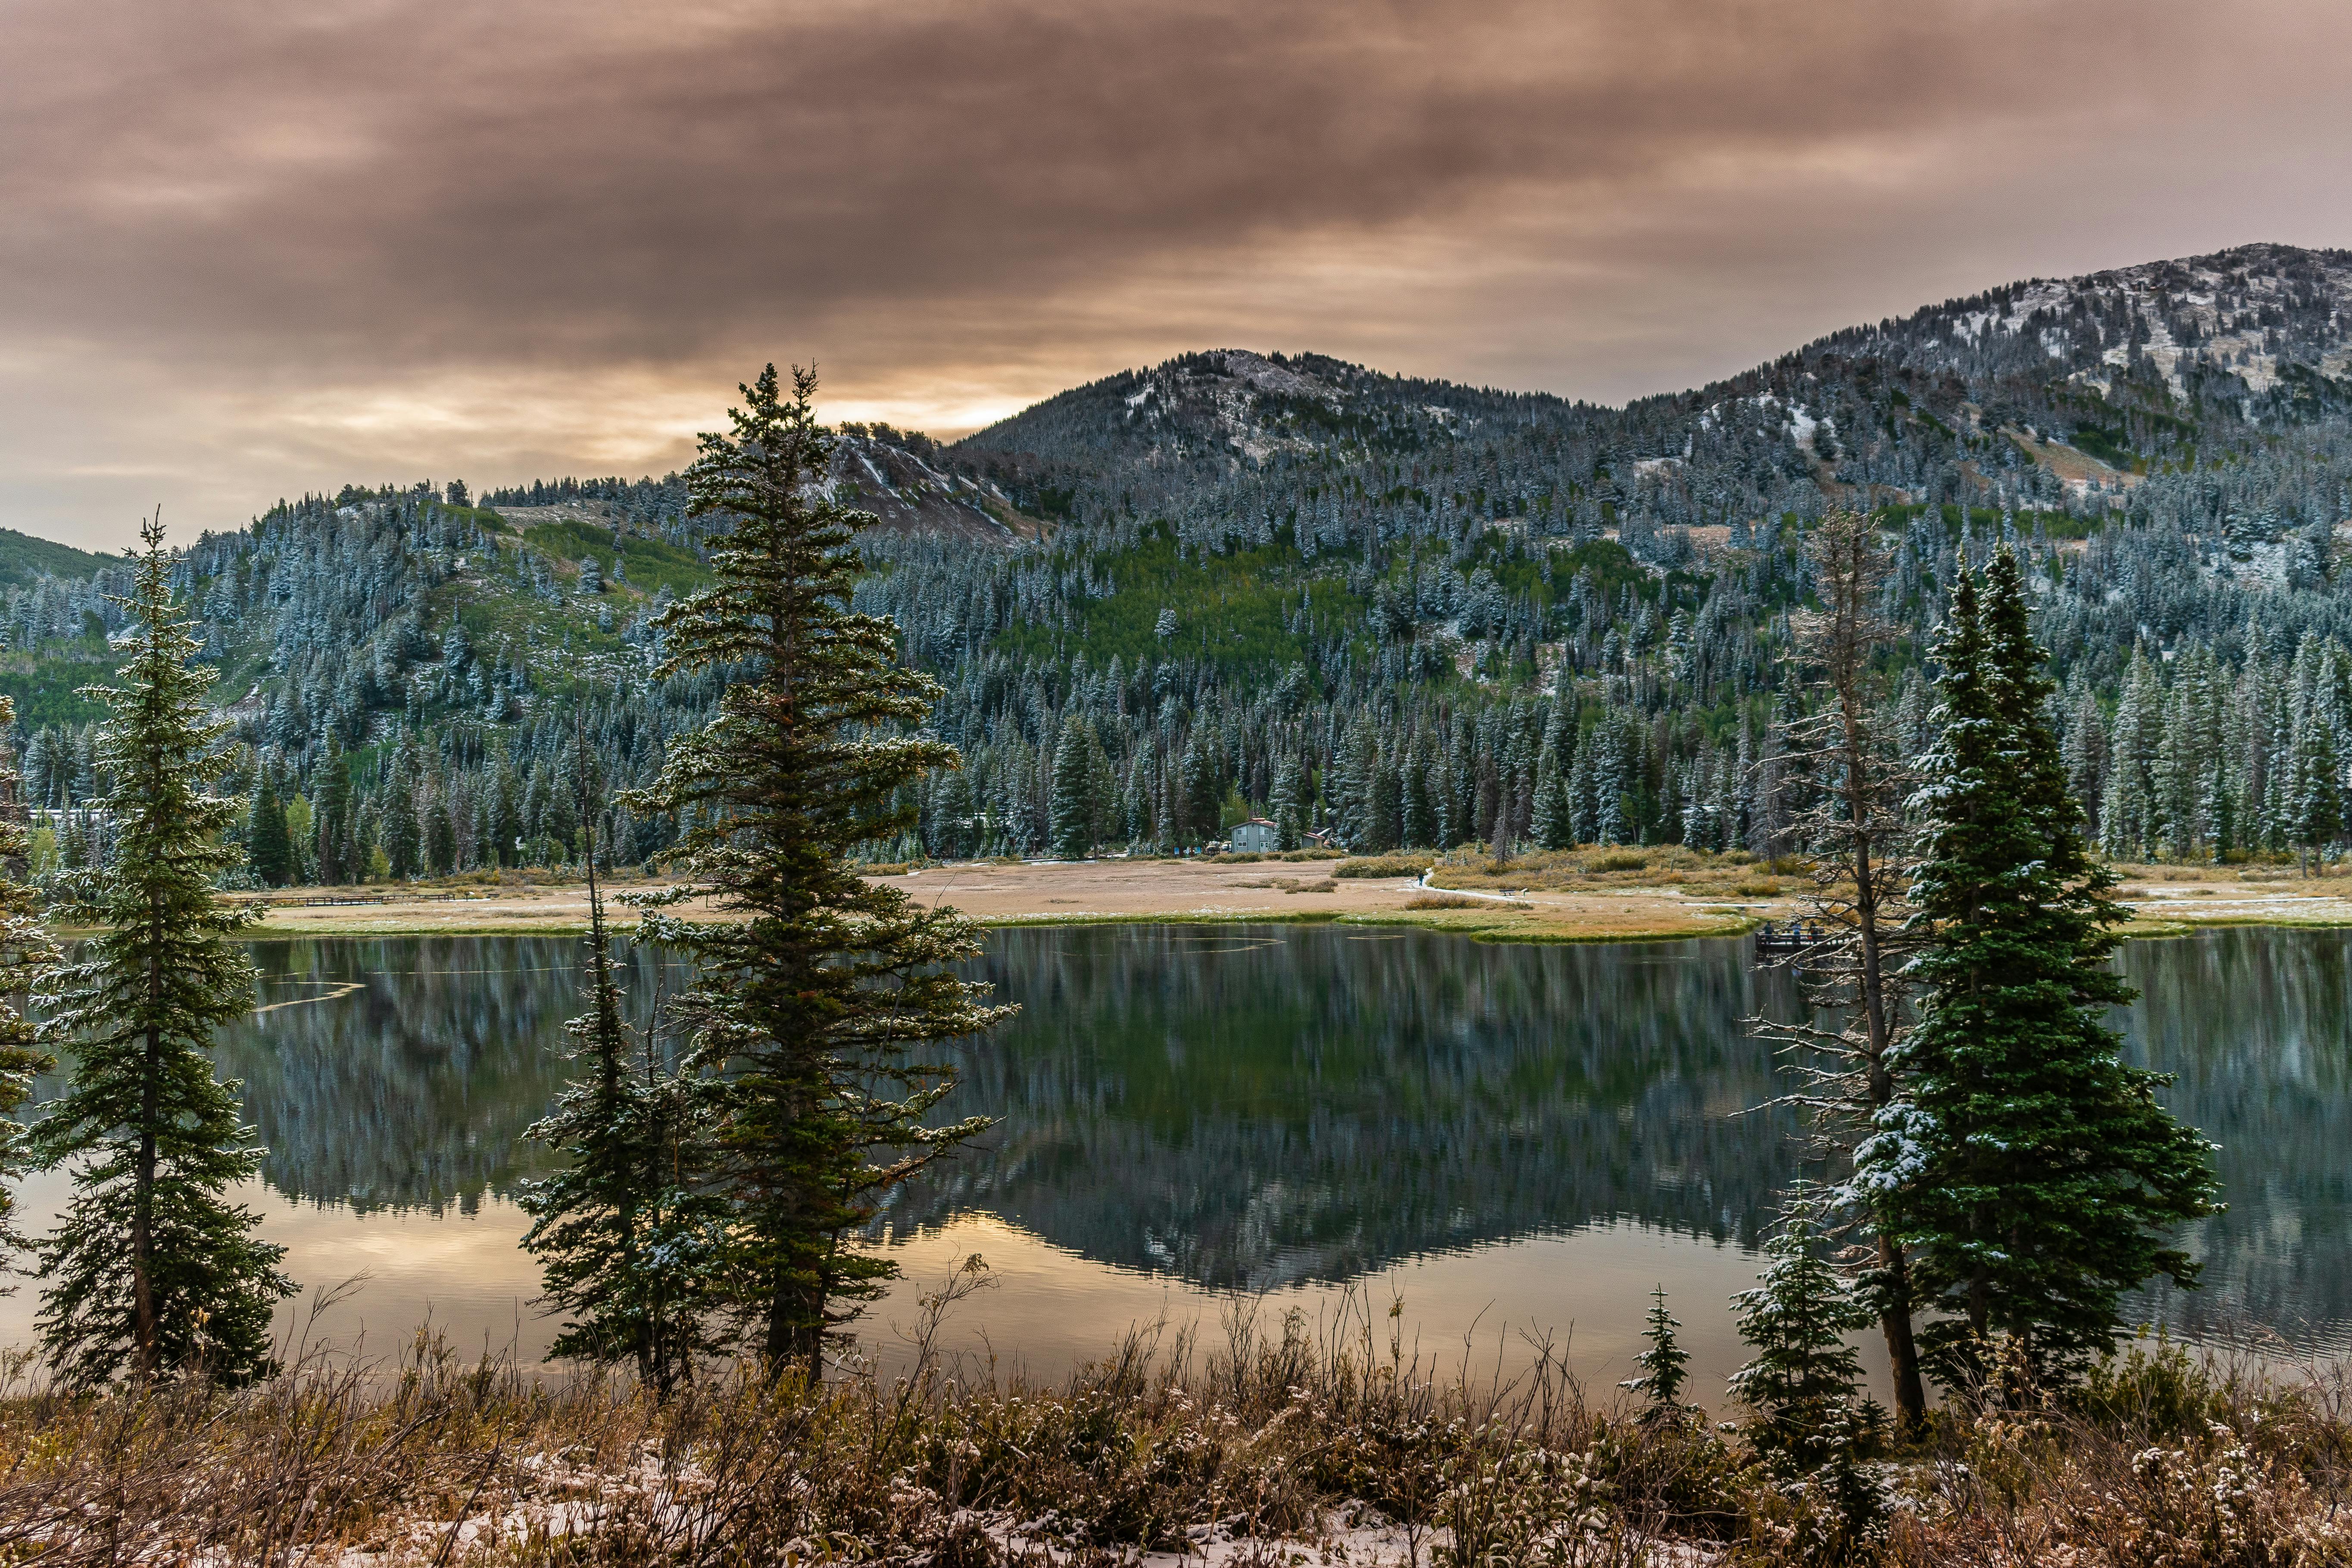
144 1328
1894 1311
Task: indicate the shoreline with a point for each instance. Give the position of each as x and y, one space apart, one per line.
1481 903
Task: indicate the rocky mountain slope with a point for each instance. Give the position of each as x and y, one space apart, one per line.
1409 611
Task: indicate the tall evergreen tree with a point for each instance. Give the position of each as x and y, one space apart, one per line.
152 1269
404 842
1289 802
629 1234
1201 791
2031 1173
2319 797
272 854
337 847
27 956
1072 825
809 1004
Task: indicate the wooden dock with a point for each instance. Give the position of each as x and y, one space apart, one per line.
1789 939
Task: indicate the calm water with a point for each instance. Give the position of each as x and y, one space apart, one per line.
1505 1138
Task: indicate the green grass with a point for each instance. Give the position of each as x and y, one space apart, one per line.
2108 446
1231 609
650 563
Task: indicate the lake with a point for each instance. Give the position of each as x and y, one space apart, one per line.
1501 1139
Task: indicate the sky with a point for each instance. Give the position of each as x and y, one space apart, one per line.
254 248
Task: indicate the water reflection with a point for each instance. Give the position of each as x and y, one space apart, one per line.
401 1073
2257 1026
1256 1107
1245 1108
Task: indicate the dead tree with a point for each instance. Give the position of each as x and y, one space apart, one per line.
1854 829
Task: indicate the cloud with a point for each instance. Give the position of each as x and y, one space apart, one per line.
261 244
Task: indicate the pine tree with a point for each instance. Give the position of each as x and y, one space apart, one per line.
1664 1365
2031 1173
1353 784
2131 811
1810 1429
1102 790
152 1270
1801 1383
629 1234
1072 830
273 855
1550 820
1289 802
506 826
337 847
1384 807
1418 824
808 1007
2318 798
26 957
1201 790
404 844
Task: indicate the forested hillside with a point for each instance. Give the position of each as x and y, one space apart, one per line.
1410 612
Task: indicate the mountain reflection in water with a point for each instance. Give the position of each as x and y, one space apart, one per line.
1245 1108
1250 1107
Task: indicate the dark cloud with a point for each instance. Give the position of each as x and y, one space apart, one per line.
315 239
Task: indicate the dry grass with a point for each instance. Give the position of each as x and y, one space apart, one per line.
1250 856
1385 865
1462 901
1289 1442
1699 873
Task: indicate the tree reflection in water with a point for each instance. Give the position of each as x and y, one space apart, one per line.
1246 1106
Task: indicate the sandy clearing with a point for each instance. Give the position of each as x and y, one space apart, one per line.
1079 892
1082 893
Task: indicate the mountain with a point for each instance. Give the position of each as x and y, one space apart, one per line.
1412 611
2098 377
25 558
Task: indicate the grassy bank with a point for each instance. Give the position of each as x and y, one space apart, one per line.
1284 1443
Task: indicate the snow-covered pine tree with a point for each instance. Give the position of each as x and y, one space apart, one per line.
1549 816
1418 826
2318 818
1801 1383
1666 1365
1384 804
152 1270
1289 802
810 1006
2033 1176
